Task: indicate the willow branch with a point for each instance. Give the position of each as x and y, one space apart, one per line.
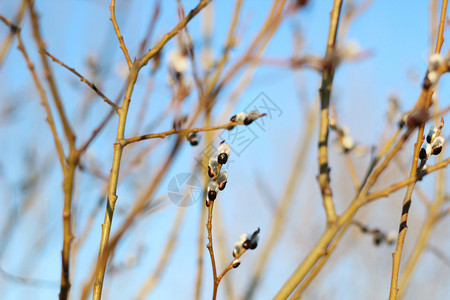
168 36
112 9
396 256
325 93
7 42
83 79
70 136
44 100
185 131
422 240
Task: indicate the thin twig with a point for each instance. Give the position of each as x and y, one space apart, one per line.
151 27
426 102
424 235
168 36
228 45
34 282
72 159
412 179
140 206
44 100
255 49
118 146
83 79
229 267
325 93
185 131
7 42
69 133
202 218
211 248
112 9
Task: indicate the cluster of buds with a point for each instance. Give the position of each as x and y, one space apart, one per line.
378 235
219 179
246 242
437 64
245 118
433 144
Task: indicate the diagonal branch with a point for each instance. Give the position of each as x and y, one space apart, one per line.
83 79
168 36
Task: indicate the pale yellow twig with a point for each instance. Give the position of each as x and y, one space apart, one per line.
112 9
185 131
119 145
325 93
426 103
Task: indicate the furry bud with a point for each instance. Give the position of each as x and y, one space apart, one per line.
213 167
213 189
223 152
251 116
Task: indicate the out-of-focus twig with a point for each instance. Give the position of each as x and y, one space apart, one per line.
279 218
168 249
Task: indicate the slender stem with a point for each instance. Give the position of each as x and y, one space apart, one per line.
72 158
228 44
69 134
68 183
44 100
396 186
114 177
432 217
229 267
144 59
120 141
7 42
185 131
325 93
210 247
396 256
83 79
440 39
119 35
202 218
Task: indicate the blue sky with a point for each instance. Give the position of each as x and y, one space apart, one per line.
395 33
